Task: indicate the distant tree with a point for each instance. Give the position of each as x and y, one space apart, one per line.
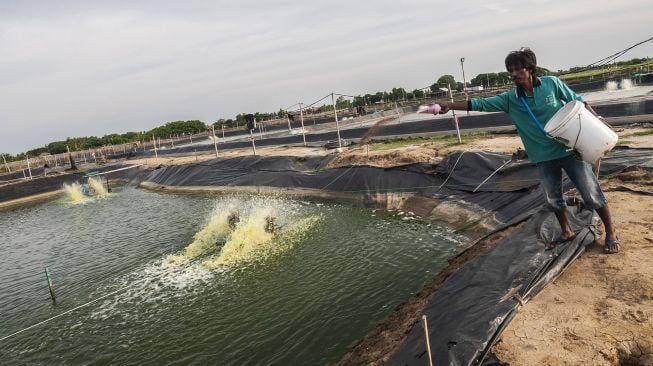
398 94
540 71
442 82
503 78
177 128
488 79
36 152
341 103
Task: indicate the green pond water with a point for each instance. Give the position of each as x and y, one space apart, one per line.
146 278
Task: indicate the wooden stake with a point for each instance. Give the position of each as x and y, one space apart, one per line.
426 339
215 141
156 156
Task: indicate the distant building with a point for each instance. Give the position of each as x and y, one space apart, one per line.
474 88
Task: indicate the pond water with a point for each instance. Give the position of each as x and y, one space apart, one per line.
144 278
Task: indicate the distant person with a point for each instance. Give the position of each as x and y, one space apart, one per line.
46 169
545 96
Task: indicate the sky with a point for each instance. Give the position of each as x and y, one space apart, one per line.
90 68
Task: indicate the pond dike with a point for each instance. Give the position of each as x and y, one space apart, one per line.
468 311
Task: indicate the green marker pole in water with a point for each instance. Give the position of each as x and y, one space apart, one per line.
47 276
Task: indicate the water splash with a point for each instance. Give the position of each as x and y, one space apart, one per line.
205 241
626 84
623 84
253 244
248 240
97 187
611 86
74 192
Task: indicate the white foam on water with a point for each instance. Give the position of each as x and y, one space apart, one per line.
628 91
152 285
611 86
215 251
625 84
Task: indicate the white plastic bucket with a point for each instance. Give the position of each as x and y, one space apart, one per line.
579 129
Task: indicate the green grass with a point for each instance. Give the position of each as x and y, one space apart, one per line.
624 142
595 72
444 141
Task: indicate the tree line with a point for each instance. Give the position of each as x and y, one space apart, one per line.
168 130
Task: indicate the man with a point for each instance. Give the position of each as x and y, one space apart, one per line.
544 96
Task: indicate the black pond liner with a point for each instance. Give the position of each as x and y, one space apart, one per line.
468 312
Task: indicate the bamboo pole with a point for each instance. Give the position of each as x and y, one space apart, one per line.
156 155
5 161
426 339
215 141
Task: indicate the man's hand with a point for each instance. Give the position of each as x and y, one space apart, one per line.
445 107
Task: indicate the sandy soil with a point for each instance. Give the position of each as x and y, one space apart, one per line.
599 312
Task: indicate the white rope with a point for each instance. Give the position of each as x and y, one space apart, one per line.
490 176
62 314
452 169
117 170
338 177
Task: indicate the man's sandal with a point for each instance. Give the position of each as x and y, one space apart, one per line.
611 246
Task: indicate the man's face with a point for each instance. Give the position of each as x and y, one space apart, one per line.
520 76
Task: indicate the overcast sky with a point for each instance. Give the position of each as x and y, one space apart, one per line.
82 68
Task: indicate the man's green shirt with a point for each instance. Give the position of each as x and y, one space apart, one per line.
549 95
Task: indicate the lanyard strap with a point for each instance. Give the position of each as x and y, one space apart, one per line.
530 112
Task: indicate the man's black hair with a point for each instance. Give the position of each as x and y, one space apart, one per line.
525 58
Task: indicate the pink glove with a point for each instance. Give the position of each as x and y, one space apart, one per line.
433 109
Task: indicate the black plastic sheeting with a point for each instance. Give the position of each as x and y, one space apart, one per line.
469 311
510 192
54 182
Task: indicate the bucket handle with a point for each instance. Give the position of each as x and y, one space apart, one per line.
580 127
